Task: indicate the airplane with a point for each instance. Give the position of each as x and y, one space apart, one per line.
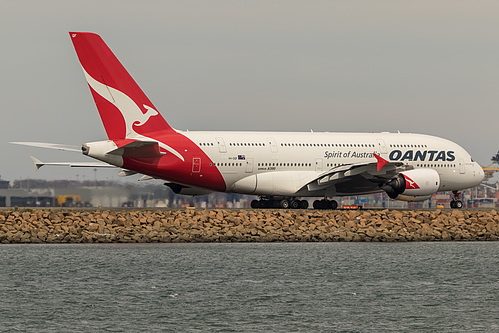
279 167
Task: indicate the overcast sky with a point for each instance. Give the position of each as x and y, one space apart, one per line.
358 66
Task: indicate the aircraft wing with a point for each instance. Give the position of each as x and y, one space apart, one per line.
371 172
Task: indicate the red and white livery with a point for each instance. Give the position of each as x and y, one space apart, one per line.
280 167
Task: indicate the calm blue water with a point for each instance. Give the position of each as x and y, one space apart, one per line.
290 287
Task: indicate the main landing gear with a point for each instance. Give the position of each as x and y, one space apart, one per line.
325 204
285 203
455 202
292 203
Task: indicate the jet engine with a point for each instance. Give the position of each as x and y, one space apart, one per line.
186 190
413 185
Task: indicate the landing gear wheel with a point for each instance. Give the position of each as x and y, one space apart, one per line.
255 203
294 204
318 204
334 204
456 203
304 204
284 204
325 204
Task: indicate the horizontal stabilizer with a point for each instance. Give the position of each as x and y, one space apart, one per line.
50 146
138 149
39 164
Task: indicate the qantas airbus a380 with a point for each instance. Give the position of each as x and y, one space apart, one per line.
280 167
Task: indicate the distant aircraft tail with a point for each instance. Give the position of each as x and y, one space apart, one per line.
125 110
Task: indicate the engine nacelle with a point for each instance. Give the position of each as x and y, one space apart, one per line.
181 189
413 185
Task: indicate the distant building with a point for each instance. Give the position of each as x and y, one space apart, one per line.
108 194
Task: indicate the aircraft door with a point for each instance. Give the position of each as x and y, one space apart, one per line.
318 164
196 165
221 145
462 167
249 165
381 146
273 145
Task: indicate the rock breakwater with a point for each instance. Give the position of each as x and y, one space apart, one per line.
182 226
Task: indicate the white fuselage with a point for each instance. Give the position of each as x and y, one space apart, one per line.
301 155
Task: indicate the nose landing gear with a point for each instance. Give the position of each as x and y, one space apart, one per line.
455 201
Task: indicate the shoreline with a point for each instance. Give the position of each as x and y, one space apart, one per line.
223 225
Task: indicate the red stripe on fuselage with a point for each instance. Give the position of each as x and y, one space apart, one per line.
172 168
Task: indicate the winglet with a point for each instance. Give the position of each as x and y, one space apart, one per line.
37 162
381 161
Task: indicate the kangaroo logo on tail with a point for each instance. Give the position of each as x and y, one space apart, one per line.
150 113
109 80
130 111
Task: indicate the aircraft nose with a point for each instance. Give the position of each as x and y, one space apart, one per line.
481 173
478 174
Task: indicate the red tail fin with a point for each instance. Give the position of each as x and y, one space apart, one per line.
125 110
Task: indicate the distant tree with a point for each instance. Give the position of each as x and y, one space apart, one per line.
495 158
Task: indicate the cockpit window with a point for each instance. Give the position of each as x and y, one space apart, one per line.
472 160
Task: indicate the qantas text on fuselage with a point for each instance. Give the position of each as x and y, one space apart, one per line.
280 167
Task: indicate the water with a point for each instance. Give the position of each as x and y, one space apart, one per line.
287 287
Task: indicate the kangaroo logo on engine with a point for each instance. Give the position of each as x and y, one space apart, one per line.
422 155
